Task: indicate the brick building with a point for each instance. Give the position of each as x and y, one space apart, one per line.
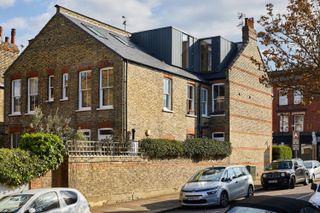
160 83
8 53
290 115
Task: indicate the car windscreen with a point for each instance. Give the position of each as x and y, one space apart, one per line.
210 174
12 203
308 164
281 165
241 209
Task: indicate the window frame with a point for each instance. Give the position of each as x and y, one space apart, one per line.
13 112
297 98
214 138
283 99
169 95
65 82
213 98
101 88
85 130
191 99
29 111
104 129
80 89
50 88
281 122
204 113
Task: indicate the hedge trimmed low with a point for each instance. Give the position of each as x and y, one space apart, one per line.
206 149
162 149
281 153
37 154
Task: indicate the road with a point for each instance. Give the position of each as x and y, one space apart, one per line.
299 192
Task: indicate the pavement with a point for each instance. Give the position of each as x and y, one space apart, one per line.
155 204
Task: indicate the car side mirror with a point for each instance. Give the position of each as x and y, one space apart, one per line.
315 167
31 210
226 179
296 167
314 186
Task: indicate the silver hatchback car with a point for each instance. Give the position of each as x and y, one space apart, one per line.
217 186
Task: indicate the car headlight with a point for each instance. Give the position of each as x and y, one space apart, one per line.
264 175
212 191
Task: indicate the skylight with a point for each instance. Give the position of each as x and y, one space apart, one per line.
121 40
94 30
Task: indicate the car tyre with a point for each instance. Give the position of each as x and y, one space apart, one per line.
224 199
250 192
292 183
306 180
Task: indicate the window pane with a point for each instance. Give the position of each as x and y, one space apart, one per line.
16 87
46 202
34 86
298 122
284 123
104 80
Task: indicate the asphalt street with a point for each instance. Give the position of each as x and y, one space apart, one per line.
299 192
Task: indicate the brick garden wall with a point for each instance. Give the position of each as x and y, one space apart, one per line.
110 180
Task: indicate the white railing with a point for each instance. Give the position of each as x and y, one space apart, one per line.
102 148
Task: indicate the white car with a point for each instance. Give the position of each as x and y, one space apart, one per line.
313 166
315 198
51 200
217 186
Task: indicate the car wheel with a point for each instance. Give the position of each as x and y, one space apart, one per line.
306 180
250 192
292 183
224 199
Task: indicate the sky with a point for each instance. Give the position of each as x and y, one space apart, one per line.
200 18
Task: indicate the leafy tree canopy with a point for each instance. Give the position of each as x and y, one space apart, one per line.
292 41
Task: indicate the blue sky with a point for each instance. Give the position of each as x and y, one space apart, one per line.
201 18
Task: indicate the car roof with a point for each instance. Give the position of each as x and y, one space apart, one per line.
44 190
275 203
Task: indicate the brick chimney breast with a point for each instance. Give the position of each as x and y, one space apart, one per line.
1 30
248 31
6 39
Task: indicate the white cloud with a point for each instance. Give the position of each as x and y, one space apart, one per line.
6 3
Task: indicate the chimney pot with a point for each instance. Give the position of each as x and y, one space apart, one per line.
6 39
13 36
1 30
249 22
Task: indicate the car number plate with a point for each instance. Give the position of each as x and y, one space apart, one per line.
273 181
193 198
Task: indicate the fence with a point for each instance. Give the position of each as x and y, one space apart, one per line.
102 148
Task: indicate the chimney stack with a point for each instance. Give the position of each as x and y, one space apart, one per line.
248 31
13 36
6 39
1 30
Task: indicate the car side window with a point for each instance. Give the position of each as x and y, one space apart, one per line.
46 202
230 173
244 170
237 172
69 197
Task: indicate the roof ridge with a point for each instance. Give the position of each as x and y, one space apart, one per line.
79 16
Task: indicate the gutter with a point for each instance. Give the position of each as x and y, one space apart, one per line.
125 100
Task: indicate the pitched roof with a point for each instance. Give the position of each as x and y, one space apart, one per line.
122 46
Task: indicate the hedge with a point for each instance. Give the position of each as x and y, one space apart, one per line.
37 154
197 149
206 149
281 153
162 149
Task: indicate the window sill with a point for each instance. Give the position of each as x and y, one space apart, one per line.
105 108
84 110
167 110
205 116
191 115
14 114
30 113
49 101
63 99
217 115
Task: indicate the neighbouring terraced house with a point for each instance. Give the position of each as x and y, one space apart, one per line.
159 83
8 53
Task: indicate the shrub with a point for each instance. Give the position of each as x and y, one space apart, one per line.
206 149
281 153
19 167
46 147
162 149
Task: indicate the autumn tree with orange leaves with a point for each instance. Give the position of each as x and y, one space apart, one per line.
292 47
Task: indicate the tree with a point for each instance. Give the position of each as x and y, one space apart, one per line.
54 124
292 41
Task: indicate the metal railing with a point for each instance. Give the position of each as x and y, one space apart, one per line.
102 148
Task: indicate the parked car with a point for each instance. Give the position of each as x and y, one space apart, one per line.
274 204
285 173
217 186
313 166
53 200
